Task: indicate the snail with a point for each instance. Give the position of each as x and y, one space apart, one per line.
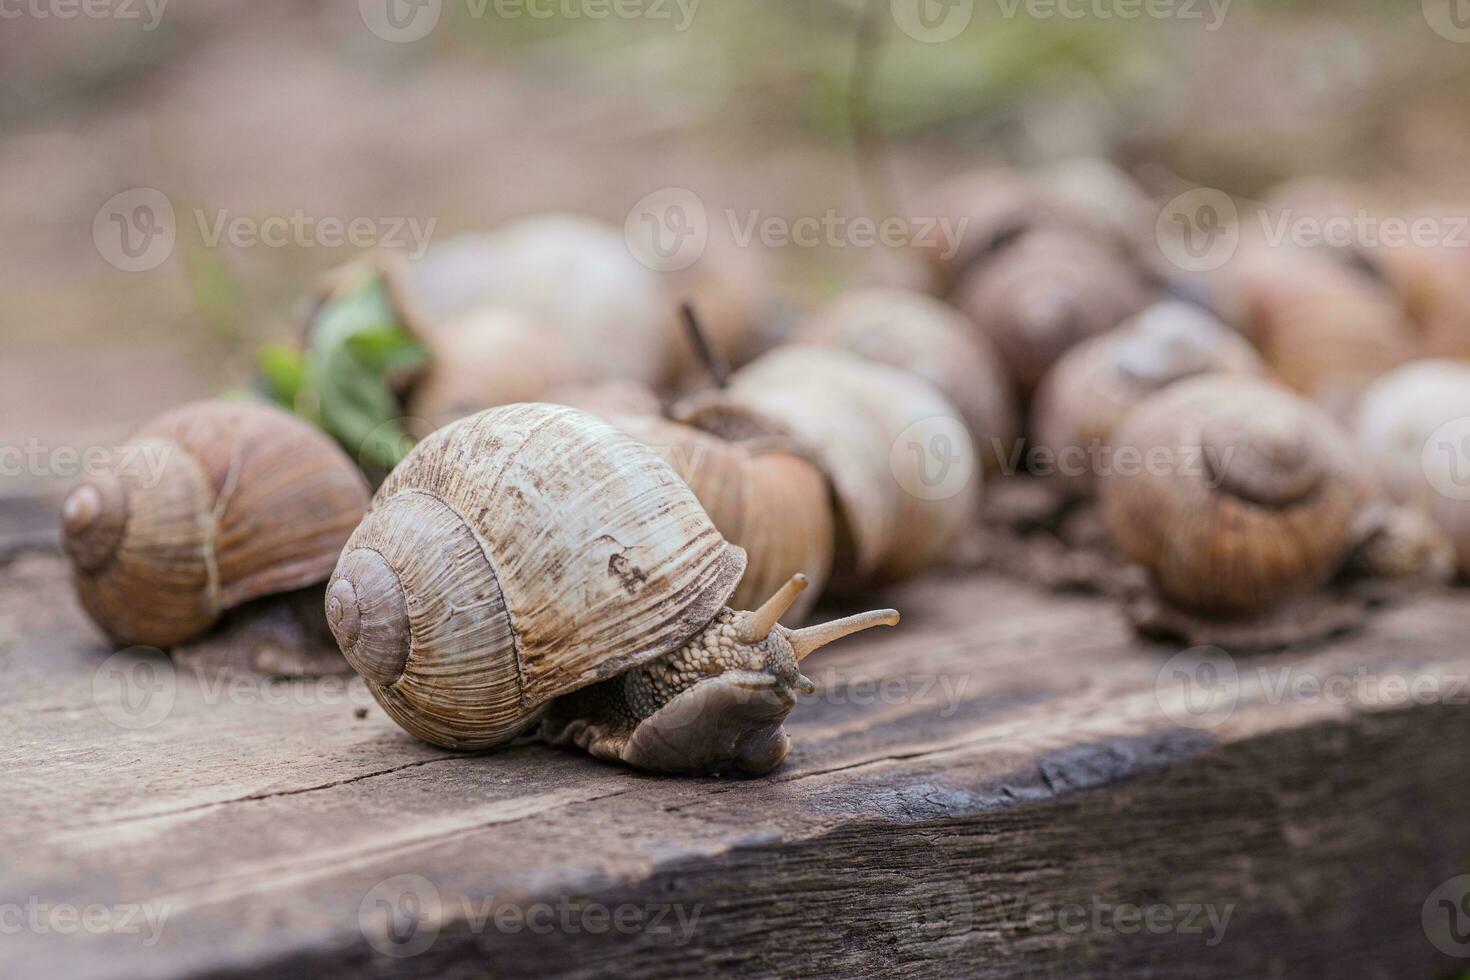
533 564
762 494
573 276
1047 292
1409 425
1095 384
899 459
1236 494
1433 285
486 357
1324 330
246 501
919 334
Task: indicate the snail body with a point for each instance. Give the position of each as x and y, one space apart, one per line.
1407 426
1244 495
532 551
919 334
1095 384
249 501
900 461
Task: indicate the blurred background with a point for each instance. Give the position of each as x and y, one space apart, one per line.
436 116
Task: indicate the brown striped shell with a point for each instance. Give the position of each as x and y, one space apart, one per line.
1045 293
1095 384
899 458
209 506
762 495
919 334
1234 494
515 556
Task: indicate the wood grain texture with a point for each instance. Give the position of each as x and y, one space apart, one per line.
1003 755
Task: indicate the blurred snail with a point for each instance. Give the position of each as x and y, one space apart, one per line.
572 276
534 564
1047 292
246 501
1324 330
919 334
486 357
1243 495
899 459
1095 384
1409 424
1433 283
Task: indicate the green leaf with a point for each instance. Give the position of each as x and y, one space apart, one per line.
283 369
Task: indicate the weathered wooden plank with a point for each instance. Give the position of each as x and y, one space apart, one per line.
1004 753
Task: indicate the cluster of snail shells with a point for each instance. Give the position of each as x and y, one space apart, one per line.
1325 330
1413 425
929 339
901 464
1244 495
1097 383
248 501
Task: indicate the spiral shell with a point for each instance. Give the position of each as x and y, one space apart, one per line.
871 428
1243 495
244 501
1045 293
1095 384
1412 425
517 555
762 496
920 335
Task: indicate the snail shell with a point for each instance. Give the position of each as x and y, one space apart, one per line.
762 496
515 556
1047 292
918 334
1405 427
1243 494
1325 330
871 428
1095 384
249 501
488 357
1434 286
571 274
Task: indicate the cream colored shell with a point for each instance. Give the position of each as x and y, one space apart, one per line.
517 555
872 429
1412 425
919 334
245 501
